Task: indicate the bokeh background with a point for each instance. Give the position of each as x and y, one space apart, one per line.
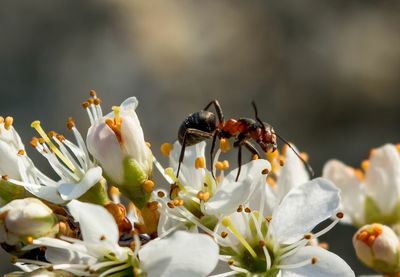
325 74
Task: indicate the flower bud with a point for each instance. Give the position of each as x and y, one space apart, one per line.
377 246
25 219
117 142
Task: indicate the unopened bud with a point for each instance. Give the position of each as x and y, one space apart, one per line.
377 246
25 219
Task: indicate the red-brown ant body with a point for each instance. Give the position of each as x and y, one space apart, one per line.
203 125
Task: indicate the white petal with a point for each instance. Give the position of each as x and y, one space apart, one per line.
104 146
8 161
293 173
382 179
97 224
351 190
328 264
133 141
73 191
50 194
303 208
181 254
129 105
189 175
231 194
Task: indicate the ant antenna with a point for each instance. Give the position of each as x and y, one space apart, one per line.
256 113
307 165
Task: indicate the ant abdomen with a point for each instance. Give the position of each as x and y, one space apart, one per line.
203 121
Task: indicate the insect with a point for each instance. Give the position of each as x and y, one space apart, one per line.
204 124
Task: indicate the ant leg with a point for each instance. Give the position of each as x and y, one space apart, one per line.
251 148
191 131
212 153
239 162
217 108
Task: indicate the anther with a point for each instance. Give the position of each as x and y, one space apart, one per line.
340 215
34 142
8 122
314 260
226 221
324 245
51 134
365 165
21 152
226 164
148 186
90 101
4 177
114 191
85 105
14 259
170 205
265 171
231 262
200 163
29 240
308 236
50 268
268 218
240 209
219 165
224 145
103 237
148 144
255 157
281 162
224 234
262 243
160 194
304 156
97 101
1 119
70 123
247 210
93 93
166 149
271 181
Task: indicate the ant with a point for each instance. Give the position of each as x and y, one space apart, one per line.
203 125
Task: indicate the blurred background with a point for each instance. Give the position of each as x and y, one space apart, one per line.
325 74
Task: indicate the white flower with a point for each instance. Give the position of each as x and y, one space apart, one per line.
116 137
373 193
378 247
78 174
22 220
181 254
200 197
255 245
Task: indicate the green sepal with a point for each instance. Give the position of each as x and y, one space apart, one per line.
210 221
96 194
374 215
134 178
385 268
10 191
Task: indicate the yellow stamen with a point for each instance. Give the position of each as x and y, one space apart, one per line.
226 164
1 119
200 163
271 181
282 161
226 221
114 191
203 196
359 174
8 122
304 156
148 186
271 155
70 123
93 93
38 128
224 145
29 240
148 144
116 110
21 152
166 149
365 165
219 165
255 157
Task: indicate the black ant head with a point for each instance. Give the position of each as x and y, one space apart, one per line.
267 139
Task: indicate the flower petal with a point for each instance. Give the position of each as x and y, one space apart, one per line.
382 179
96 223
189 175
327 264
8 161
73 191
231 194
351 190
302 209
104 146
50 194
293 173
181 254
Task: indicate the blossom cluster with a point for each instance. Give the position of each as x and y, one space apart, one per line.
106 215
